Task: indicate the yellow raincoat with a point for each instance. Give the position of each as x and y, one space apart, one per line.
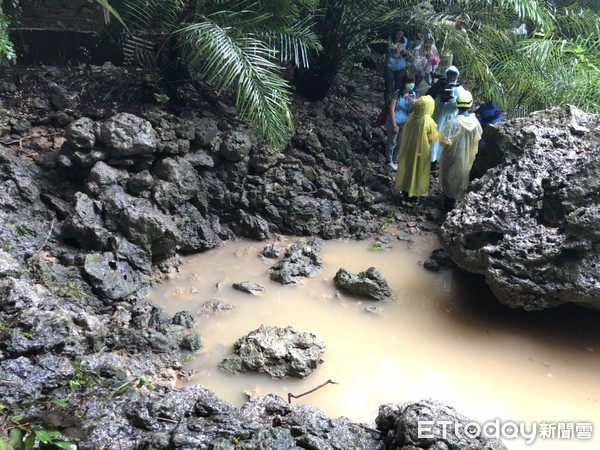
459 137
414 163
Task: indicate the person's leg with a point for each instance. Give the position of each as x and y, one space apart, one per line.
395 151
389 84
391 141
418 77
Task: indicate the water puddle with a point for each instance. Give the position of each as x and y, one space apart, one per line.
441 337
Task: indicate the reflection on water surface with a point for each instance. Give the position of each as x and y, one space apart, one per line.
441 337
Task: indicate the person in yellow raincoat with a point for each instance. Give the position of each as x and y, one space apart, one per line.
414 163
460 139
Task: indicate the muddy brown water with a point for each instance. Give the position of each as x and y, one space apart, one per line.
442 336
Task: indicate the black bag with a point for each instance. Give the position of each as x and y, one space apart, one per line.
443 88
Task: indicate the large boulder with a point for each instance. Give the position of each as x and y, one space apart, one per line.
280 352
370 283
531 225
301 260
431 424
126 134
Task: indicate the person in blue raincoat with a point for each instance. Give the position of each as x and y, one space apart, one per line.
445 92
400 106
395 63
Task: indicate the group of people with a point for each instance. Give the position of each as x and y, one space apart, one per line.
427 127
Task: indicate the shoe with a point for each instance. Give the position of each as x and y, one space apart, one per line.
393 166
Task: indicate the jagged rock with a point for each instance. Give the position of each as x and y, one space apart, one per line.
196 232
85 225
184 318
132 253
236 146
47 331
60 98
200 158
23 379
149 228
311 427
103 175
81 133
271 251
249 287
9 266
140 182
214 306
531 225
301 259
432 265
112 278
126 134
370 284
442 258
205 130
252 226
191 342
280 352
263 158
419 425
174 147
176 183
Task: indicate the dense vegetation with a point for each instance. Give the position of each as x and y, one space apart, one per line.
525 54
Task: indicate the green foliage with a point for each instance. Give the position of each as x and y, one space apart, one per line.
376 246
138 382
161 98
7 50
111 10
60 280
83 377
344 27
155 81
7 329
26 434
388 221
239 46
556 63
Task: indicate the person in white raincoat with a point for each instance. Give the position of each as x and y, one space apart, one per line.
444 92
460 138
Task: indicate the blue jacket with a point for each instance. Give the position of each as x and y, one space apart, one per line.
396 63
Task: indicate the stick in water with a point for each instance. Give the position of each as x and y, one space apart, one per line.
290 395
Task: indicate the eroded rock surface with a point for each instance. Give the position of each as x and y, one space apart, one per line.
413 426
370 283
280 352
531 225
301 260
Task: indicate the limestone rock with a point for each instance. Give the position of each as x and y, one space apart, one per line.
280 352
531 225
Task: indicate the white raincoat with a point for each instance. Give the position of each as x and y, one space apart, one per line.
443 112
460 138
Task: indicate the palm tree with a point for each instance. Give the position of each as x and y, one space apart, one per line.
556 62
344 27
234 45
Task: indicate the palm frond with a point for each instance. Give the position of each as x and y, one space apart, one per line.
262 96
293 43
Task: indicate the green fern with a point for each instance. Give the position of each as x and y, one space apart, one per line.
239 46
